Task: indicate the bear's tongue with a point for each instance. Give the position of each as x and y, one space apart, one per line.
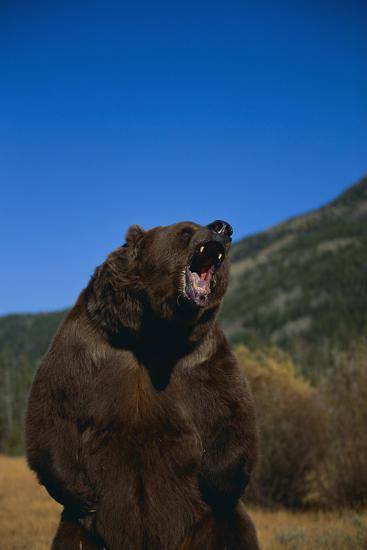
198 275
198 286
201 280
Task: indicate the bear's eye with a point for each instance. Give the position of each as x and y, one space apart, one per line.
187 232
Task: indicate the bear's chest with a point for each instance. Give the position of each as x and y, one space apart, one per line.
139 427
146 460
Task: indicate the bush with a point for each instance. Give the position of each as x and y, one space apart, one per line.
292 421
343 473
313 439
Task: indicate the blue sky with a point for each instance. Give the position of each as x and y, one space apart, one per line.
114 113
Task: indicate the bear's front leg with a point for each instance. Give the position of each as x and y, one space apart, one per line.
222 481
224 473
234 530
76 534
229 434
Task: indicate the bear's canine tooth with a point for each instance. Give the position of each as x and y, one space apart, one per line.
220 256
202 249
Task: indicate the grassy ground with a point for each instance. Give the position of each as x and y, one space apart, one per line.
28 516
28 519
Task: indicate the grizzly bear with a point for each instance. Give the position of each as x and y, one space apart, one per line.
139 421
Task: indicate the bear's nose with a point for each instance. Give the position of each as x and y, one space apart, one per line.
221 228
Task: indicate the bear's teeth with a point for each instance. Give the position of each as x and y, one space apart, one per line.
220 256
202 249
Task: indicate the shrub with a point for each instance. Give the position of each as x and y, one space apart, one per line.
291 420
343 473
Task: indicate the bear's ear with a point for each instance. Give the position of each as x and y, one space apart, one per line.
134 234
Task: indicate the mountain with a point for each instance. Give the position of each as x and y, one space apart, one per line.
302 285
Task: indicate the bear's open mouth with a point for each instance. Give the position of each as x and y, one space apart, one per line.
198 275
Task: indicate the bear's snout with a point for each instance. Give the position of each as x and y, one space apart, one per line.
222 229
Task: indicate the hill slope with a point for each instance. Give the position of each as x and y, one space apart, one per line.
302 284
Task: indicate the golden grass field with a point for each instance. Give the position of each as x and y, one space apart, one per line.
28 519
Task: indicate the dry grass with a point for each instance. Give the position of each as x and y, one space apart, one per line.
28 519
283 530
28 516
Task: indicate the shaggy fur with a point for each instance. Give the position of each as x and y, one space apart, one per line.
139 421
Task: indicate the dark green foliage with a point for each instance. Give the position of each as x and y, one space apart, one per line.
23 341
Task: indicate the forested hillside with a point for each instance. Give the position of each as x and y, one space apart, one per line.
302 285
23 341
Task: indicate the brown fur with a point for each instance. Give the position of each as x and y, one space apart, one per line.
139 421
